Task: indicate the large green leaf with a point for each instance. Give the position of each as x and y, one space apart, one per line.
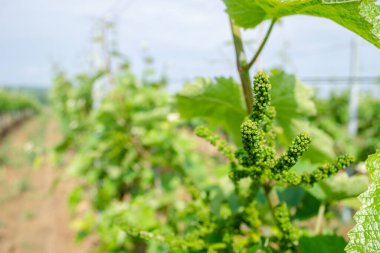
322 244
365 236
220 102
361 17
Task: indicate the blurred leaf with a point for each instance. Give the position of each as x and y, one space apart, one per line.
293 101
220 102
307 208
361 17
365 236
322 244
75 197
84 225
290 97
292 195
304 167
64 145
352 202
340 187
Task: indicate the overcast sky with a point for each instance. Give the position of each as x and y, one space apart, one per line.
187 38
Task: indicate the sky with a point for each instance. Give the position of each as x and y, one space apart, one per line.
187 38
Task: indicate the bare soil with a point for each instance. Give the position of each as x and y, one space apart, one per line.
34 215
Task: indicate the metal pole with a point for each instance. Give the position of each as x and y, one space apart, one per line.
354 90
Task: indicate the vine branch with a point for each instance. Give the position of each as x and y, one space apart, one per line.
319 222
241 61
261 47
271 196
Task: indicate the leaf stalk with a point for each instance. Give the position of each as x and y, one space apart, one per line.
261 47
240 63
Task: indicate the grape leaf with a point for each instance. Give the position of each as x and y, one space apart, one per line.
361 17
292 195
290 97
308 207
365 236
305 204
322 244
219 101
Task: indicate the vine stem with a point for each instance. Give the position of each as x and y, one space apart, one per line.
320 219
271 196
241 61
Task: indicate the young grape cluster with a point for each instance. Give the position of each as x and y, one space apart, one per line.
259 160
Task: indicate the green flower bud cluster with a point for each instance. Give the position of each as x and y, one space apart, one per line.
252 136
321 173
327 170
257 157
298 147
223 224
238 172
215 140
258 138
252 216
241 229
243 158
257 161
254 143
271 112
262 98
289 233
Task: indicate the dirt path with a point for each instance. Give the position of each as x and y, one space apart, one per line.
33 217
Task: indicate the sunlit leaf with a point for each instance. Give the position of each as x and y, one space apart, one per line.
365 236
220 102
361 17
290 97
